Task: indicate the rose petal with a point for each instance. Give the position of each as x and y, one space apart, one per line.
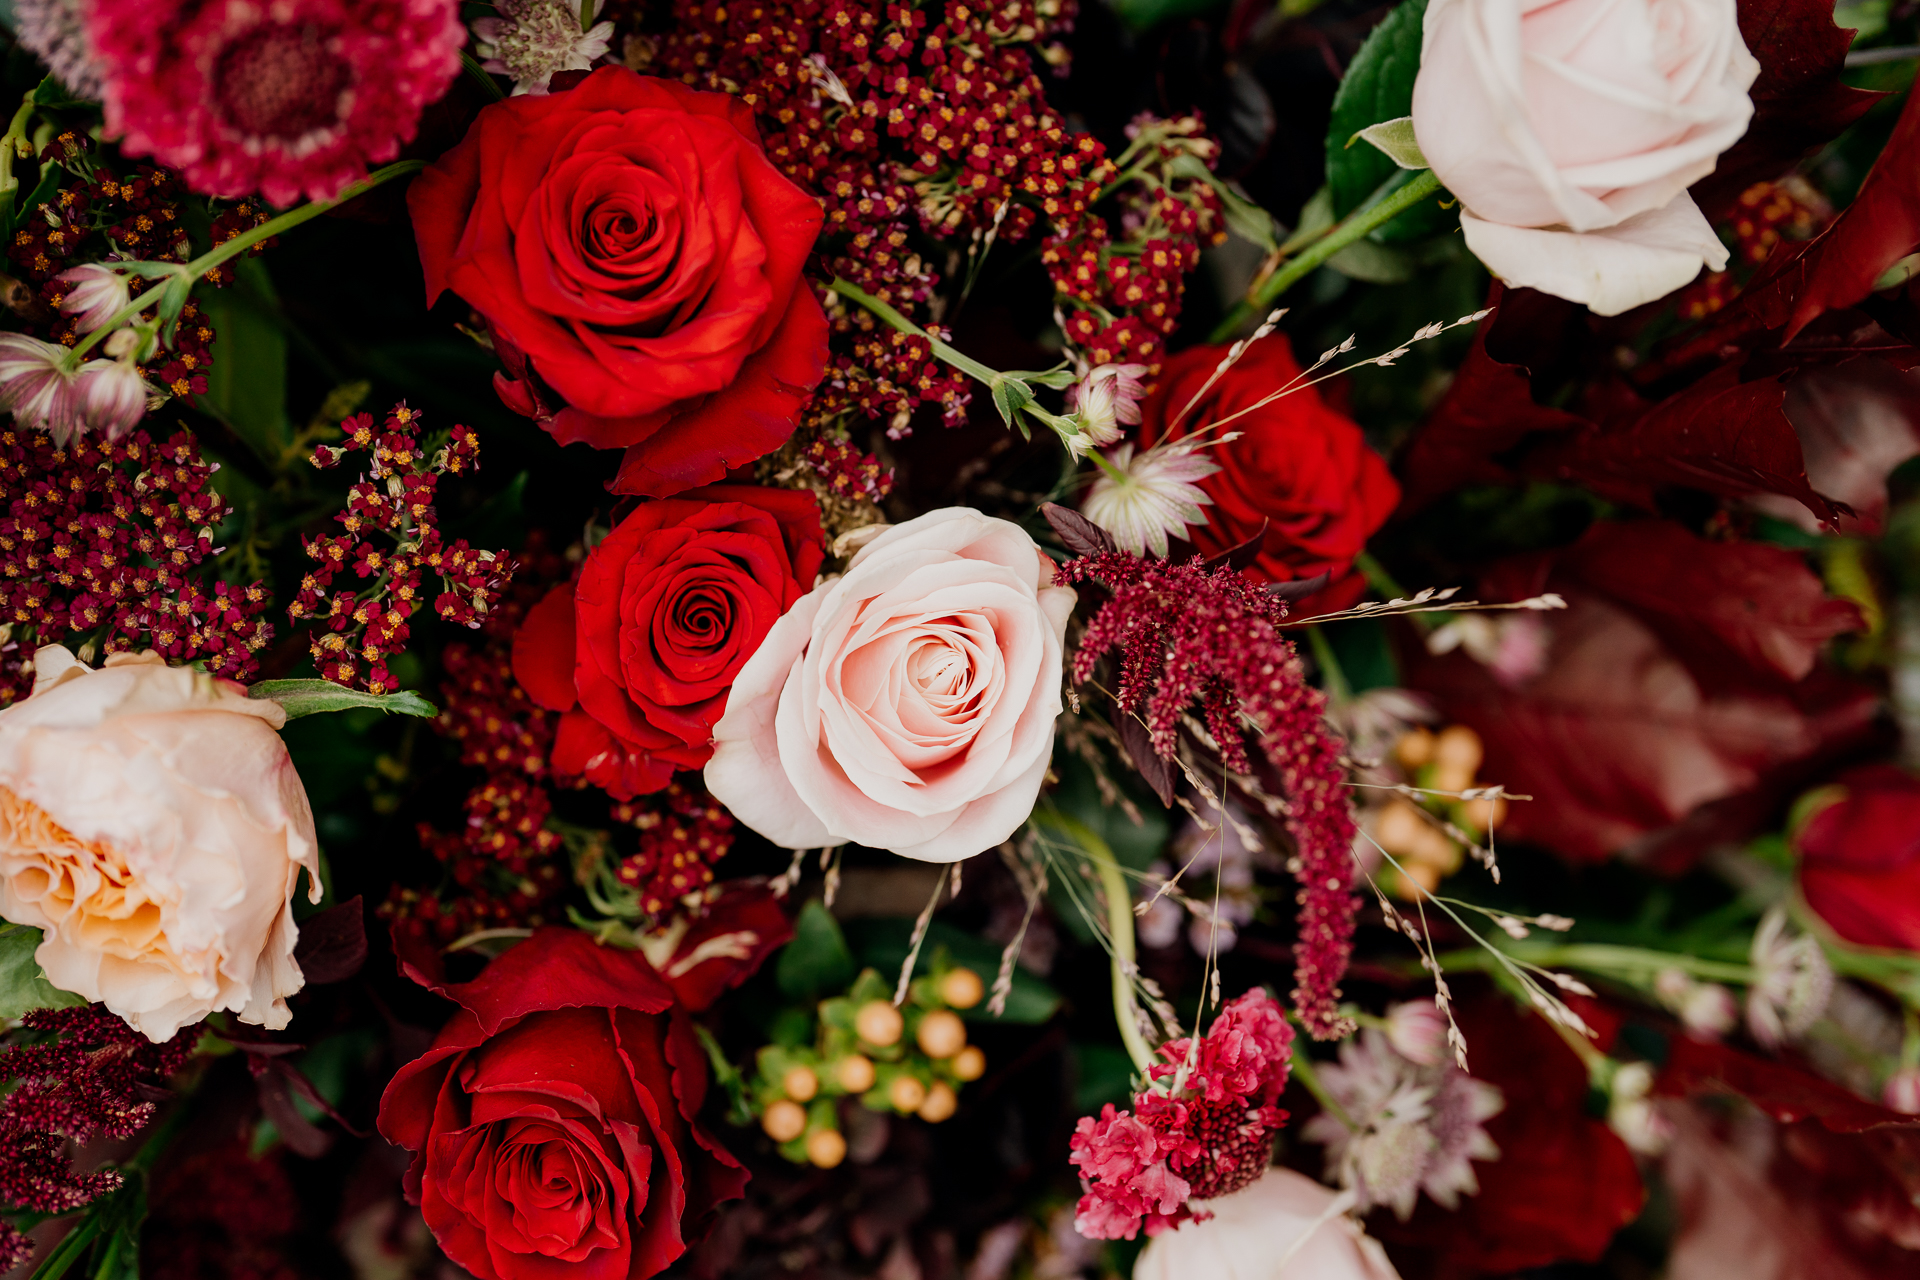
1614 270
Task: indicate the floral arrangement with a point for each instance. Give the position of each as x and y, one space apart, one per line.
935 641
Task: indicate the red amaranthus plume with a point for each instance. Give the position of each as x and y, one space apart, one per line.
1203 1129
1184 633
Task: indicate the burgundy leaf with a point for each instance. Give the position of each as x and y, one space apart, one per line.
1138 744
1799 101
1300 588
1727 437
333 944
1082 536
276 1102
1242 555
1786 1093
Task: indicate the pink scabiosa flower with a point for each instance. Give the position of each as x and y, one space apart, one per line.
297 97
532 40
1203 1128
54 31
96 293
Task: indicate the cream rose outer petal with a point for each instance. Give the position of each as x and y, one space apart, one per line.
909 705
1611 270
153 827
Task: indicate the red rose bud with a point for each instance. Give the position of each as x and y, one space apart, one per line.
641 651
638 260
552 1122
1300 470
1859 847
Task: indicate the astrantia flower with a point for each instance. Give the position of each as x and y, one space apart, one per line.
103 396
95 294
1792 982
533 39
1414 1128
1142 499
112 396
1105 399
295 97
55 32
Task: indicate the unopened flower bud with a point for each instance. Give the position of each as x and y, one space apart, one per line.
854 1073
95 294
878 1023
1902 1092
1417 1030
941 1034
970 1063
112 397
962 988
120 343
784 1121
906 1094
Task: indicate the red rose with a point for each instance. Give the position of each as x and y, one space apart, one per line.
1299 468
1860 857
551 1123
638 258
640 651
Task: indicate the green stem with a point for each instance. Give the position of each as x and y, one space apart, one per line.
1358 224
1302 1067
198 268
1633 964
1339 692
965 364
1113 886
481 76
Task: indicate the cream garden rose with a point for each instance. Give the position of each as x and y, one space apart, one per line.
1570 130
153 828
1256 1234
908 705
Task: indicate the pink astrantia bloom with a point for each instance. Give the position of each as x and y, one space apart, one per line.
55 32
532 40
293 98
1204 1128
95 294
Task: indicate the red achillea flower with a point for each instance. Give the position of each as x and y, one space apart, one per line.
287 99
1203 1129
1186 634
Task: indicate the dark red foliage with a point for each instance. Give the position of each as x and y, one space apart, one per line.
1564 1182
1680 688
220 1214
1787 1093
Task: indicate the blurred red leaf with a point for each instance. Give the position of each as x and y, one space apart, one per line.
1785 1092
1759 606
1727 437
1799 101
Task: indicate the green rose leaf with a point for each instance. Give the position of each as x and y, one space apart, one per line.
311 697
1378 90
817 962
23 986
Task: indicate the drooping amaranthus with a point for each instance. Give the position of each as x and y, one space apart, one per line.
105 546
393 544
1203 1127
1184 634
83 1083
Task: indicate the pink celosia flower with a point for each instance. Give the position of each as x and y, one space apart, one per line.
1204 1127
295 97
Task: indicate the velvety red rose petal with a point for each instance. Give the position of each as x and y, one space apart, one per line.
543 651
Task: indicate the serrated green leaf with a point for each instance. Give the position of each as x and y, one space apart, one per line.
1378 88
23 985
817 963
1010 397
312 697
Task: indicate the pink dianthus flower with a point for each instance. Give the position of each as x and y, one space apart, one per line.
289 98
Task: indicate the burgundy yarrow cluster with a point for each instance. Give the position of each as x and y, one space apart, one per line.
104 543
1204 1128
394 545
85 1083
1186 634
683 833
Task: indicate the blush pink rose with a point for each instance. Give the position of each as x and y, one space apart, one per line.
1570 130
907 705
153 829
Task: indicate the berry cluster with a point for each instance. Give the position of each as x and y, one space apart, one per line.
916 122
683 832
1183 634
1203 1128
107 540
86 1082
393 543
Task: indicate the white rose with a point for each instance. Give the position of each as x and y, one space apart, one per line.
153 828
1570 131
1253 1235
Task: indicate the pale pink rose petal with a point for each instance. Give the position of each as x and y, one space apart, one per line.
745 772
1613 270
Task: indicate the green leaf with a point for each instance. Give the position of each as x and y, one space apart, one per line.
1139 15
247 385
312 697
882 946
1010 397
1378 88
1395 138
817 962
23 985
1374 263
43 191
